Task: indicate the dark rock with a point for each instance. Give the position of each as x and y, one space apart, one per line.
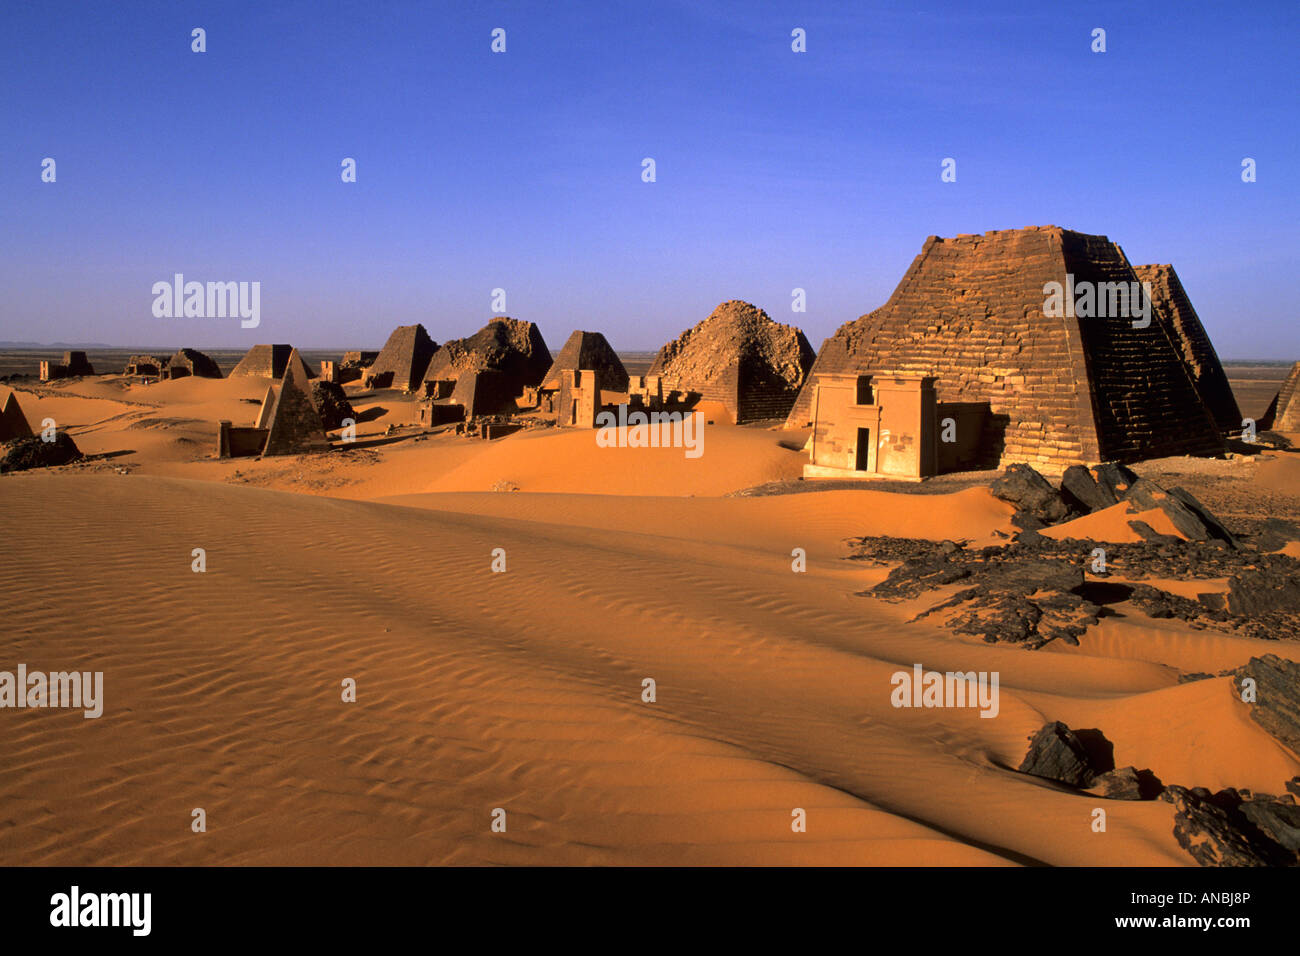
1276 707
1256 592
24 453
1143 495
1030 492
1216 832
1280 822
1057 753
1127 783
1204 516
1082 493
1113 479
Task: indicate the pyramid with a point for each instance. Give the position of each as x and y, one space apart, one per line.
588 350
404 358
510 346
268 361
294 425
1174 311
13 423
738 356
1283 413
1056 391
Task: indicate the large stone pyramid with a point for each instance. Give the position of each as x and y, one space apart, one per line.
738 356
295 426
13 423
588 350
1053 391
404 358
269 361
1283 413
510 346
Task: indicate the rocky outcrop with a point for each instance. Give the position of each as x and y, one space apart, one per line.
1230 828
1276 706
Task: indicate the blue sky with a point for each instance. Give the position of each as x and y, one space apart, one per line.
522 170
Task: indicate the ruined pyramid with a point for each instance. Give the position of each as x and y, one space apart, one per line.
738 356
513 347
1050 387
295 426
1283 413
588 350
404 358
13 423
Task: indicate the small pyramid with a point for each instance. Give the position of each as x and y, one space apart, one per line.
13 423
404 358
267 409
1283 413
588 350
295 427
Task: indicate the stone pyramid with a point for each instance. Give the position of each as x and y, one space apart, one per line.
1283 413
295 426
1058 390
738 356
13 423
269 361
405 357
588 350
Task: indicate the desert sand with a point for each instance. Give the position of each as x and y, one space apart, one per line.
522 690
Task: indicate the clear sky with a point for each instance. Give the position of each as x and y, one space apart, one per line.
523 170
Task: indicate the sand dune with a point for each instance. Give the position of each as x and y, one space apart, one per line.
522 690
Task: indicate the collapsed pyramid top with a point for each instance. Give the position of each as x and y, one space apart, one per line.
510 346
1058 387
738 356
404 358
588 350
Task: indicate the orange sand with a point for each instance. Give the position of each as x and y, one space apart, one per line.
522 689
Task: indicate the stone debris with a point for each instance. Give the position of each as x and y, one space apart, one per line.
22 454
332 403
